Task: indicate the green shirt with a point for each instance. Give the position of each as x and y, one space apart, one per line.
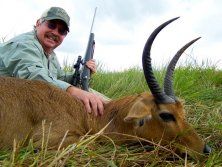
23 57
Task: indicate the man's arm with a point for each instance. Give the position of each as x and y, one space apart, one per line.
28 62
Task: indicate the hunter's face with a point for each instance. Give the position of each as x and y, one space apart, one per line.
50 34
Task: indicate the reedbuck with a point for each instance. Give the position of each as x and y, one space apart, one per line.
157 116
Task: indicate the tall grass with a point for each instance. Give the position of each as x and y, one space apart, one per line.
199 87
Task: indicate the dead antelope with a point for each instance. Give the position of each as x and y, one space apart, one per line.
159 116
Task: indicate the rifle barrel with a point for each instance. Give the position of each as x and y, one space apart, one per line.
93 20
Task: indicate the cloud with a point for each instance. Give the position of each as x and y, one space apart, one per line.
122 27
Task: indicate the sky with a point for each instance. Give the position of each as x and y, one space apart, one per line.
122 27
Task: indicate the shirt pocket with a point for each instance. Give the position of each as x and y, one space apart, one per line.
35 68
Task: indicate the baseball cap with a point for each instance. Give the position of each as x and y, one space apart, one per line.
56 13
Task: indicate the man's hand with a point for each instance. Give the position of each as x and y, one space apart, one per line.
92 102
91 64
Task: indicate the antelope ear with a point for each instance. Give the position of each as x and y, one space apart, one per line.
139 110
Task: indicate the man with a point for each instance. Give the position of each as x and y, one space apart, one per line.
31 56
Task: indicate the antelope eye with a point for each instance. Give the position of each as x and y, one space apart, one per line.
141 122
167 117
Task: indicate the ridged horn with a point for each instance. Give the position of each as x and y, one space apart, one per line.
168 81
155 89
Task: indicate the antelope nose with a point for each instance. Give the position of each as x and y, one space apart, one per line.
207 149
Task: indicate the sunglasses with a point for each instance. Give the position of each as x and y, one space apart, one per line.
53 25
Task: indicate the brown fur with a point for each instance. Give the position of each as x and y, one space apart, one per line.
24 104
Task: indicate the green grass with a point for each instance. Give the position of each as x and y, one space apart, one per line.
199 87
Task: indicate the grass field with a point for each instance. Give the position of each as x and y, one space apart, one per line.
199 87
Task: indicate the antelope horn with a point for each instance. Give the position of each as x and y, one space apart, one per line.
159 95
168 81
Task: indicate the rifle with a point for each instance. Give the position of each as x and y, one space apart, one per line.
82 79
